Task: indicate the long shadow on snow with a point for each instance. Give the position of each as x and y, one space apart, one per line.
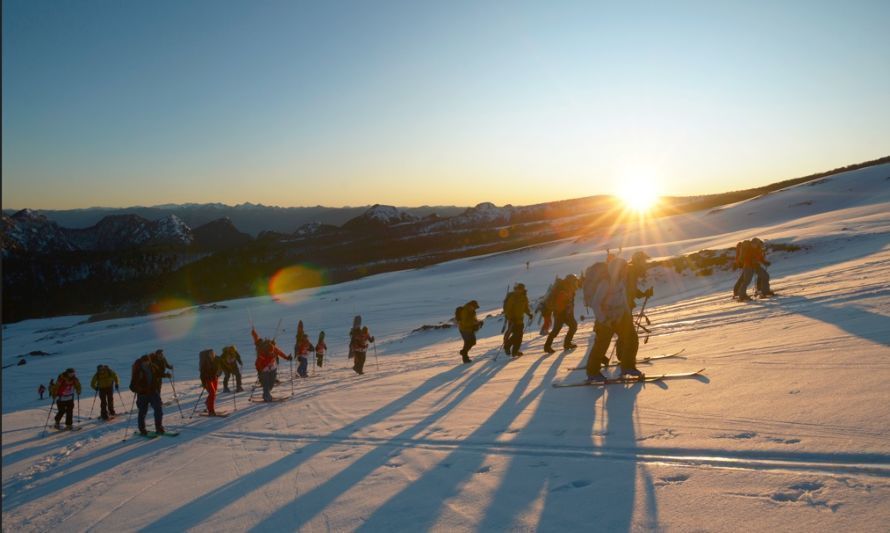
109 457
194 512
852 319
302 509
411 508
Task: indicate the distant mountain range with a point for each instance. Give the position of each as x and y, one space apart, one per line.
123 261
247 217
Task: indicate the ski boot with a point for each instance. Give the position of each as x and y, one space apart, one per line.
597 379
549 350
632 373
569 346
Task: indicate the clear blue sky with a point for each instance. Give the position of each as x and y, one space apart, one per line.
119 103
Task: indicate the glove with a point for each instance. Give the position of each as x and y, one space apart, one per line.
767 263
648 293
117 387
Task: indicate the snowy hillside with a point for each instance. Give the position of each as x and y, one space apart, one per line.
787 429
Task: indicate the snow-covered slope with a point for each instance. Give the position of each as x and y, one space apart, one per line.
787 429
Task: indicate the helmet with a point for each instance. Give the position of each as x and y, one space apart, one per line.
757 241
519 287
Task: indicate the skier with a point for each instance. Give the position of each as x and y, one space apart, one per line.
564 313
104 382
40 390
301 349
267 354
160 359
468 325
636 270
209 367
231 364
359 347
613 315
356 329
743 261
64 390
320 349
147 376
761 286
515 310
545 306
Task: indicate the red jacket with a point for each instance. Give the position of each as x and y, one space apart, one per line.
267 353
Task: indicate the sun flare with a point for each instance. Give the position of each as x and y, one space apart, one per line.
638 191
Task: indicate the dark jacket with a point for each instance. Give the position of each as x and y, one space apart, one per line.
148 375
516 306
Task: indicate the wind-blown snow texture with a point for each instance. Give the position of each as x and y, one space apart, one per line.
788 430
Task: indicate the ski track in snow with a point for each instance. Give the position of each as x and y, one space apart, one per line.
785 426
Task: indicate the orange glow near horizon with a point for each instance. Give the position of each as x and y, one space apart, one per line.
284 283
174 325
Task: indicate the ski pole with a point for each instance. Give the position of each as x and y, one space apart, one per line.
93 404
176 397
234 405
129 417
196 403
291 375
78 409
377 361
117 388
52 401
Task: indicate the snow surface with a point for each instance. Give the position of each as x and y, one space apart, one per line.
788 429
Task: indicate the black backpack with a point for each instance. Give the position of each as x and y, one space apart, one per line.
457 312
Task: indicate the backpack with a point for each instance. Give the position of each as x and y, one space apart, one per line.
457 312
206 364
594 274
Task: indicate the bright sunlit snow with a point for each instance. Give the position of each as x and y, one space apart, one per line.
788 429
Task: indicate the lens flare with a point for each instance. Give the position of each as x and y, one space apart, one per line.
170 325
283 286
638 189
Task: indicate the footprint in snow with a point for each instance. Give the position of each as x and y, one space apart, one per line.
577 484
806 492
484 470
671 480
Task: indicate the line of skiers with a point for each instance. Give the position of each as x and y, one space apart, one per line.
750 257
609 288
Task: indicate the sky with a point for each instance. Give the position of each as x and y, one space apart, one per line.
293 103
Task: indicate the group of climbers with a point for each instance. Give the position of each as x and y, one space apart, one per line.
609 288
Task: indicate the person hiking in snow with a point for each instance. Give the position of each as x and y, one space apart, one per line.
302 347
758 253
613 315
359 346
743 262
467 325
104 382
159 359
515 310
564 313
267 355
636 270
230 362
209 368
320 349
40 390
545 306
355 330
146 378
64 390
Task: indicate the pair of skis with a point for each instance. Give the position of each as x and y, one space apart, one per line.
643 360
649 378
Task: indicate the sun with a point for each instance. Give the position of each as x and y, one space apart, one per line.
638 190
